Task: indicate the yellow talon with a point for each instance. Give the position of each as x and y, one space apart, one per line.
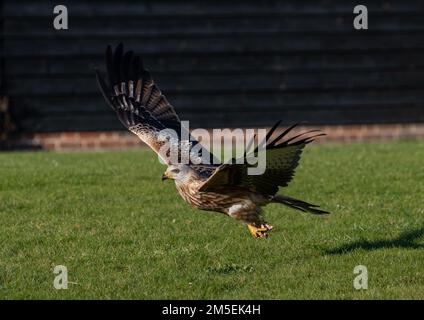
261 232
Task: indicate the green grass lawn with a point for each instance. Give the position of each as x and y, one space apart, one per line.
122 233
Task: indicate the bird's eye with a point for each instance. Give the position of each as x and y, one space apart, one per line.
175 170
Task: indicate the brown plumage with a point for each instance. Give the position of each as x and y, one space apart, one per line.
225 188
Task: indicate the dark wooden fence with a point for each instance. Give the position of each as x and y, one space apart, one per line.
221 63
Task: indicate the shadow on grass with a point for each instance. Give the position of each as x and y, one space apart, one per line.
405 240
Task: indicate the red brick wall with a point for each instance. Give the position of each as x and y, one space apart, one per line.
69 141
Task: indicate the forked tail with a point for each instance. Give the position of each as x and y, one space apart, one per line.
298 204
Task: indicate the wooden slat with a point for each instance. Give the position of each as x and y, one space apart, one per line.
340 99
28 8
358 42
159 65
176 27
395 114
210 83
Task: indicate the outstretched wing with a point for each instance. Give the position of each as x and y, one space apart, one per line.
282 158
139 103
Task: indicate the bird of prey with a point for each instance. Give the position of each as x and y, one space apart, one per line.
226 188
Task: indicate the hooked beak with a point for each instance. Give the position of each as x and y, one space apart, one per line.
165 176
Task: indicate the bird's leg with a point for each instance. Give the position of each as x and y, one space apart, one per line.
261 231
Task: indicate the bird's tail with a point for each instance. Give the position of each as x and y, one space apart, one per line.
297 204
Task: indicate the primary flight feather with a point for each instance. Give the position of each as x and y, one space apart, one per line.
227 188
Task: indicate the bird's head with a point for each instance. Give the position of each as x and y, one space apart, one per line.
177 172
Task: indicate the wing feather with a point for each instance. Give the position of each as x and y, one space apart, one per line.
282 158
139 103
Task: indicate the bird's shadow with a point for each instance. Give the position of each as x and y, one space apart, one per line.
407 240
